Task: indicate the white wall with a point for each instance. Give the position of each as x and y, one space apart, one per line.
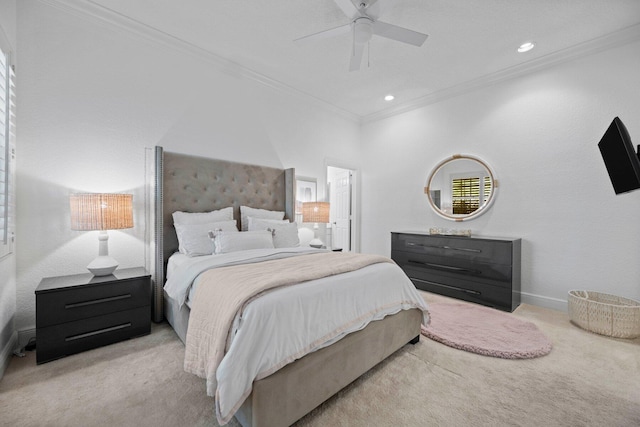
93 97
539 133
8 263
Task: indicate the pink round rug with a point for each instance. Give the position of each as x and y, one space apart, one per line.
485 331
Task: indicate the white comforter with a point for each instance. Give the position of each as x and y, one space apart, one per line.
310 316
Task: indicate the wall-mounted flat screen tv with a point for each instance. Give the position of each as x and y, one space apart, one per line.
620 158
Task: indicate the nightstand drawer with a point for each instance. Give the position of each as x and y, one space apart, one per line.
70 304
69 338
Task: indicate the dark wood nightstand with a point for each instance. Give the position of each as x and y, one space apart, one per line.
80 312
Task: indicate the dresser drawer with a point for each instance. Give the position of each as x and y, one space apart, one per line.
75 303
468 290
428 263
461 248
73 337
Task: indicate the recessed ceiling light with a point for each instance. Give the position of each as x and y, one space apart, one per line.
389 98
526 47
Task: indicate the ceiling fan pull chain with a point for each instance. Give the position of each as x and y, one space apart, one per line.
368 54
353 40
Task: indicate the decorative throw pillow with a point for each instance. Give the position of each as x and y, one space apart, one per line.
246 212
193 239
285 233
224 214
225 242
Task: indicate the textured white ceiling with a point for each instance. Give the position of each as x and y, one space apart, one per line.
469 40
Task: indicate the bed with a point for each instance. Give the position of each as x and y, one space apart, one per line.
196 184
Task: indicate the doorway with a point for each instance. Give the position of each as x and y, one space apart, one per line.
342 218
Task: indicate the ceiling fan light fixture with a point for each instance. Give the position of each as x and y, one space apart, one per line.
362 30
389 98
526 47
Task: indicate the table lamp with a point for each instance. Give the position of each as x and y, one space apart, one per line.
102 212
315 212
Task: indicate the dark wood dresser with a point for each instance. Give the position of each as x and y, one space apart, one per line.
80 312
477 269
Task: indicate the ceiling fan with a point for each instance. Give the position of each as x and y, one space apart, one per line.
364 25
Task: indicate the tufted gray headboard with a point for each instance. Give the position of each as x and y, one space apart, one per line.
198 184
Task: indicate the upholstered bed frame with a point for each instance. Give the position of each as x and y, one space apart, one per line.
197 184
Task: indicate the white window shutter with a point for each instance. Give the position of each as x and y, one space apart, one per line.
7 144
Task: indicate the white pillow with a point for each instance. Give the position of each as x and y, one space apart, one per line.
285 233
246 212
262 224
224 214
225 241
193 239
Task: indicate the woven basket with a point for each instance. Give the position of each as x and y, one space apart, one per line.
605 314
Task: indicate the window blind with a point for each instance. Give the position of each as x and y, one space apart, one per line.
487 188
466 195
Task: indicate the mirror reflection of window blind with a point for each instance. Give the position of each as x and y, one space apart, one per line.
486 189
465 193
7 142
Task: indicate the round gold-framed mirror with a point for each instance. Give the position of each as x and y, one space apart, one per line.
461 187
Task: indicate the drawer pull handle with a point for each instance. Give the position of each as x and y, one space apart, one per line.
444 247
97 301
444 267
98 332
468 291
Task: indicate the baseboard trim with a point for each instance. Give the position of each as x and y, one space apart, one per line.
7 352
542 301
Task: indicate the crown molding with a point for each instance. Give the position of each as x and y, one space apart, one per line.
608 41
88 10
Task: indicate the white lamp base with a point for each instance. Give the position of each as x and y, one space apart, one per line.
316 243
102 266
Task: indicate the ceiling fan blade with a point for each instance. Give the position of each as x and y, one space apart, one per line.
348 8
400 34
356 57
375 8
343 29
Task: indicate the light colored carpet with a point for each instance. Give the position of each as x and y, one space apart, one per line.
586 380
485 330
